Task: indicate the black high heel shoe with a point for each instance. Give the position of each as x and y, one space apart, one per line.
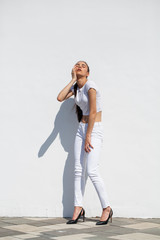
106 221
80 214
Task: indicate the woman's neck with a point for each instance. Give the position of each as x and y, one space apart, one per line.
81 81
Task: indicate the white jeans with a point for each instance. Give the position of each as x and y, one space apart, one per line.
90 162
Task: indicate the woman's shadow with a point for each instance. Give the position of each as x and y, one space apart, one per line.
65 125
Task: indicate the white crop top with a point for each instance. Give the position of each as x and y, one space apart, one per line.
82 99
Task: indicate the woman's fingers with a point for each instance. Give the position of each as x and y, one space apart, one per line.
88 147
74 68
91 145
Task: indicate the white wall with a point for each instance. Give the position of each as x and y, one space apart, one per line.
40 41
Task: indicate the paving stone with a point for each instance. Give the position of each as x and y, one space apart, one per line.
48 221
40 223
3 224
40 238
99 237
21 228
125 221
66 226
6 232
38 218
155 231
8 238
17 221
142 225
74 236
136 236
25 236
153 220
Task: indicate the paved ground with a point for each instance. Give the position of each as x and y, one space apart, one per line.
56 228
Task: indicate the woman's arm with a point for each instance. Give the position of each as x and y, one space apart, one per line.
91 119
65 93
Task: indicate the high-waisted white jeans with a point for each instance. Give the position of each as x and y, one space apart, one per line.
90 162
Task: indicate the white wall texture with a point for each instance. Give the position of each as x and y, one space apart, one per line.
40 41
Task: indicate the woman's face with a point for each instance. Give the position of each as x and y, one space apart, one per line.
82 69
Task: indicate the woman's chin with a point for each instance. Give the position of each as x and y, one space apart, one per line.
79 75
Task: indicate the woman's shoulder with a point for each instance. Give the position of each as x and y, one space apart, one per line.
91 84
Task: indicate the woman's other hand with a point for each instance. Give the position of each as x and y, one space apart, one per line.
88 145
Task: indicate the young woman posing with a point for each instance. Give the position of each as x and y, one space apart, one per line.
88 140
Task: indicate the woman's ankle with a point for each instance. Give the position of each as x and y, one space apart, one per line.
107 208
78 207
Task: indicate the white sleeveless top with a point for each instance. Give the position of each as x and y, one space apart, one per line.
82 99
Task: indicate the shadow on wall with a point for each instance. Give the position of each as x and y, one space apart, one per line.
65 125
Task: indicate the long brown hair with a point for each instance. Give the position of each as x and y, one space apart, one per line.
78 109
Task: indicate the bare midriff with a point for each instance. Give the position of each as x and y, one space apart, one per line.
97 119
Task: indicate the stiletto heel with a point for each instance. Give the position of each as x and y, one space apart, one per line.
71 221
84 219
106 221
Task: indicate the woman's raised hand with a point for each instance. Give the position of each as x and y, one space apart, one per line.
74 75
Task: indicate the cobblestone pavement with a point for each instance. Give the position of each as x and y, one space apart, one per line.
14 228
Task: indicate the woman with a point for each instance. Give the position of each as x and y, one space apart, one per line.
88 140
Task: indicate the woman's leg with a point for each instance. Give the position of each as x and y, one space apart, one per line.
79 170
92 163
